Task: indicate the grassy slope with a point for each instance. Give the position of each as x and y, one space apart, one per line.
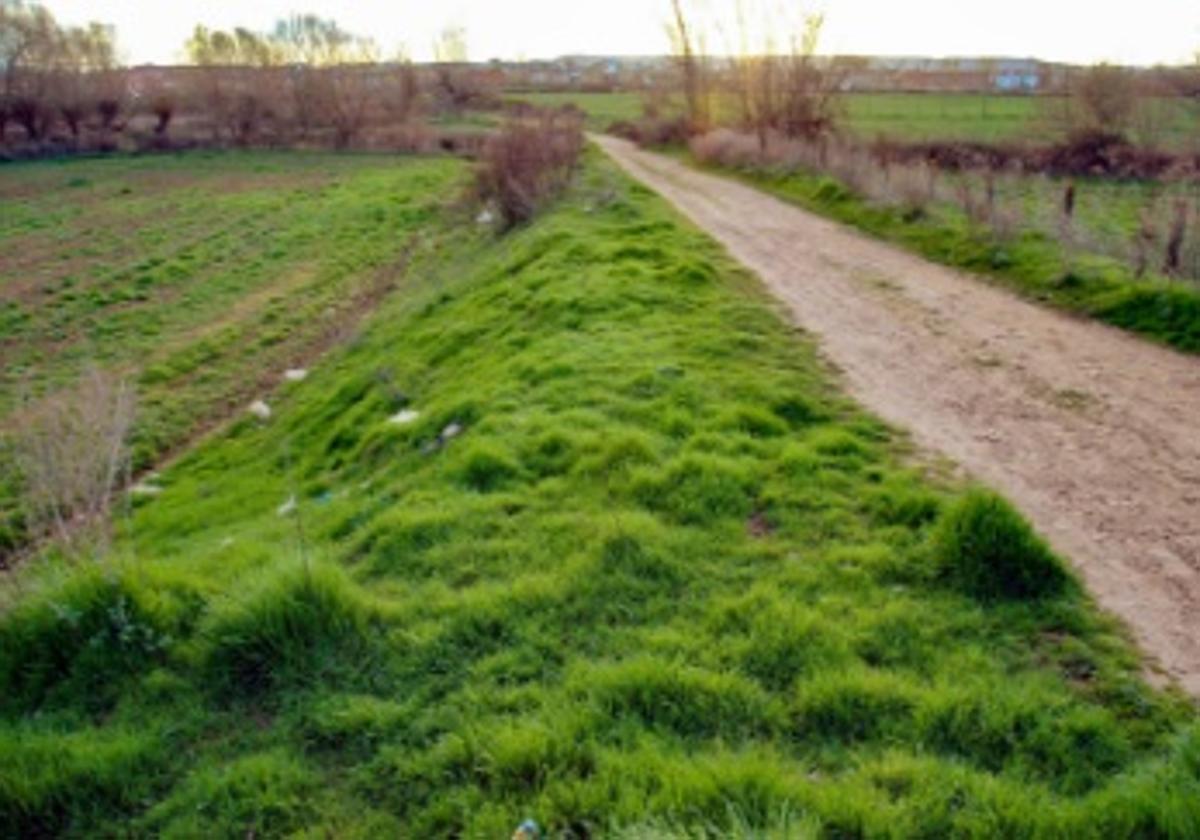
1031 263
666 577
201 276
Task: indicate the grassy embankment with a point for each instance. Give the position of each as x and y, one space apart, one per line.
665 578
201 277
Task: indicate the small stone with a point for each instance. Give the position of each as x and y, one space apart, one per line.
295 375
260 410
485 217
404 417
451 432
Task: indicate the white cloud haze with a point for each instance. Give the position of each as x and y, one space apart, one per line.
1146 32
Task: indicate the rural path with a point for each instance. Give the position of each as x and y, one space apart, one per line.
1093 433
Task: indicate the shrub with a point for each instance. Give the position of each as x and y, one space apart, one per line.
72 451
985 548
527 164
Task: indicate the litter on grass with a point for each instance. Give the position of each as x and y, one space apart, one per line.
260 410
295 375
404 417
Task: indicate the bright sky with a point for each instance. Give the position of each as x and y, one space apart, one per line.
1142 32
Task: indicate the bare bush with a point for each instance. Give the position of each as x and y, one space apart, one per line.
1106 99
72 452
527 164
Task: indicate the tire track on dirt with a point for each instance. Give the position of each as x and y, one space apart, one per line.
1093 433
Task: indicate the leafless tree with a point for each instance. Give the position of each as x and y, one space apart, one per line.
781 86
1105 99
688 46
231 65
29 43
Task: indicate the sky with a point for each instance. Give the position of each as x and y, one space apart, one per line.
1080 31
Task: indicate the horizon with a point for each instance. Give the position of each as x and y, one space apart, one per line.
1167 32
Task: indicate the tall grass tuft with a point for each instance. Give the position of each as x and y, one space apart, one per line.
80 640
984 547
294 628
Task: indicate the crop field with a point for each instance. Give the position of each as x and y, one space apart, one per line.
602 109
574 527
989 118
200 277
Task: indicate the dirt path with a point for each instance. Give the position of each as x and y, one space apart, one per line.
1094 434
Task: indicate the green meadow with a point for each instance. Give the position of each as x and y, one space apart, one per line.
573 527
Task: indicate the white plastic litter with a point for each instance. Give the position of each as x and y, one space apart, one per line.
288 507
260 410
144 489
485 217
452 431
295 375
404 417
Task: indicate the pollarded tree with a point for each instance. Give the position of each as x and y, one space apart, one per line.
29 45
233 78
331 75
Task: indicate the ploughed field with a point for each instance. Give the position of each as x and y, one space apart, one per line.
571 527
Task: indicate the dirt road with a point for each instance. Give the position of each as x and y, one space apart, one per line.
1094 434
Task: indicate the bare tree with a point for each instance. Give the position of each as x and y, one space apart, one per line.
781 87
231 79
1105 99
687 45
456 85
29 42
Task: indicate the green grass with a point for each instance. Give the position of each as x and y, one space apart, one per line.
1031 263
201 277
602 109
980 118
931 116
665 582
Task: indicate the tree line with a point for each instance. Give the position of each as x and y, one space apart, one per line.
305 81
